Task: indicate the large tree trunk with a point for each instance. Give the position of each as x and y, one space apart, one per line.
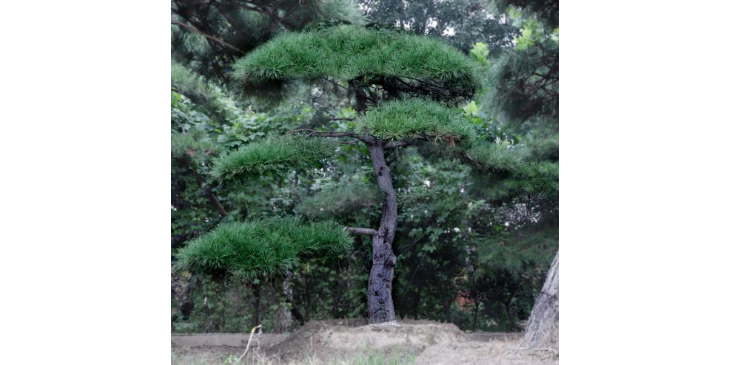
543 327
380 299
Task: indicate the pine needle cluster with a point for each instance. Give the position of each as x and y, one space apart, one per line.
262 248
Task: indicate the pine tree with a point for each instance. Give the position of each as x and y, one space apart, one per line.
403 87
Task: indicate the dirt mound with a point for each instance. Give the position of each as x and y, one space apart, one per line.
326 339
481 353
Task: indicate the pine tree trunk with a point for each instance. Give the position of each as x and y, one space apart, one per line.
380 299
543 326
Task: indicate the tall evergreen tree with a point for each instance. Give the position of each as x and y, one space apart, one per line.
526 92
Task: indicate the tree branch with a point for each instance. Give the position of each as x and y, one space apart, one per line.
395 144
209 194
214 39
312 132
365 231
206 190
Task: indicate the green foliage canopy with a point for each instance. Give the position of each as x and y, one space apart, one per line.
348 52
272 154
416 119
262 248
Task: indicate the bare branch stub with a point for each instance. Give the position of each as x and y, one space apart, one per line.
365 231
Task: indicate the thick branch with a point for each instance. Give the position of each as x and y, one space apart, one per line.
395 144
394 86
312 132
365 231
214 39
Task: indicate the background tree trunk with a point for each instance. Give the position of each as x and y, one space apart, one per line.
543 327
283 313
257 304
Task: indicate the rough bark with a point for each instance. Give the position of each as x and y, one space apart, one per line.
380 299
543 326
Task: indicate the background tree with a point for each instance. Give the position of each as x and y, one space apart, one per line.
209 35
461 23
525 92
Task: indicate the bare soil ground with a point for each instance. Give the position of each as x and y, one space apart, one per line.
338 343
226 339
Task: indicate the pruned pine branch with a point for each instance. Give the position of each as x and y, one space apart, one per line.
316 133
